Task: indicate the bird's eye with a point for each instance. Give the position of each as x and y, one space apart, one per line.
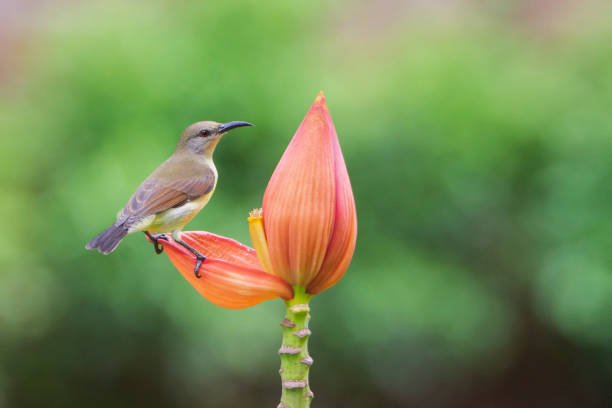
203 133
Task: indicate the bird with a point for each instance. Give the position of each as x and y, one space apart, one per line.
167 200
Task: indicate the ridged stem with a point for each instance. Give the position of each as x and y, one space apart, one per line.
295 360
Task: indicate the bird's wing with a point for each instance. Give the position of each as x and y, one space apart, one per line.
156 195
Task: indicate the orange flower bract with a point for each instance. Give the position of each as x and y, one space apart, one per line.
231 275
308 207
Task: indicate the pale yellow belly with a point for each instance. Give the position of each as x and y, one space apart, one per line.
173 219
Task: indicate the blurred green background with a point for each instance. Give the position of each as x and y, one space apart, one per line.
478 137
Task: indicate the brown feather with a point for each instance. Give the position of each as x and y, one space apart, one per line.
180 179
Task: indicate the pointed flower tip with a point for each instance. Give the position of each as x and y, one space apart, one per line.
319 104
320 99
317 121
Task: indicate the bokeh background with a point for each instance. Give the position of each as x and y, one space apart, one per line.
478 136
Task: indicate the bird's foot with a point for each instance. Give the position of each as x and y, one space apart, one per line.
199 257
155 241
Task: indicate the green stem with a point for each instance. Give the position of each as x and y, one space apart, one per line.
295 360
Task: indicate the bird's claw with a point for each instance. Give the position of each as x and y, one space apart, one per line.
199 259
159 249
155 241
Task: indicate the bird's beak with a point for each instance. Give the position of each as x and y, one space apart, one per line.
226 127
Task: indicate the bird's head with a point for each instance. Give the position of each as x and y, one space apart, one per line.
202 137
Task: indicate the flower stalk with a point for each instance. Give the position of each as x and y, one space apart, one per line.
295 360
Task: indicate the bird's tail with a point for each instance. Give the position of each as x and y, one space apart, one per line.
106 241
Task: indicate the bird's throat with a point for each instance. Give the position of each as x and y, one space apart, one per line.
210 149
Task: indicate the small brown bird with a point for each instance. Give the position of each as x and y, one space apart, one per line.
173 194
